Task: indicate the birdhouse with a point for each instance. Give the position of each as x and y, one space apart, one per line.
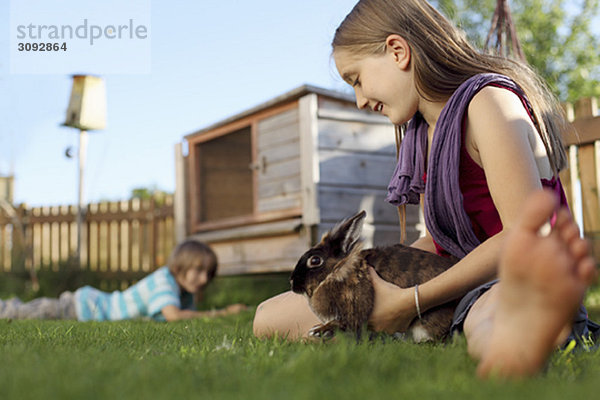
87 105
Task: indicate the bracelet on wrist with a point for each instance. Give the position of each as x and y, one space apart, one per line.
417 302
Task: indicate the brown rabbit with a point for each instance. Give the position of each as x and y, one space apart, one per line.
334 277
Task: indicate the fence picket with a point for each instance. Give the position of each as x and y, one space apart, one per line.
583 179
121 239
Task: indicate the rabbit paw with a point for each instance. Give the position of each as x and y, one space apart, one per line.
324 331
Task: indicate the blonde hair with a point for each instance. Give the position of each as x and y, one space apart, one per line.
193 254
442 59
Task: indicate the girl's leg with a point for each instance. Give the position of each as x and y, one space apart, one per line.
479 323
286 315
42 308
8 308
542 280
67 305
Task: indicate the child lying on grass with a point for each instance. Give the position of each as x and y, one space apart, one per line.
169 293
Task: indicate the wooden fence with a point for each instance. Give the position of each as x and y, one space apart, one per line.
121 240
582 179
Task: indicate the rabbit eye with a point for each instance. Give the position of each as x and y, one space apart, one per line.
315 261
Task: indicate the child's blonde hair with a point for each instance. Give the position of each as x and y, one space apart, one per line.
193 254
442 59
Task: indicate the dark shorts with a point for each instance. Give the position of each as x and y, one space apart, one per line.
583 328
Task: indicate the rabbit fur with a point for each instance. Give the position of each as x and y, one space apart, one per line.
333 275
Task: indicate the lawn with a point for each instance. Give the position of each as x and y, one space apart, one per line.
220 359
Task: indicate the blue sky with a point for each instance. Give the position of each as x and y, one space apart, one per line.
209 60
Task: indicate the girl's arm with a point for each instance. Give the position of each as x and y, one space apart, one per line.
498 136
395 307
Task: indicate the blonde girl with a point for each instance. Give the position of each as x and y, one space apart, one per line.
483 135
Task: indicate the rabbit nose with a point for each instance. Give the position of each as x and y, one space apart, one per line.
296 287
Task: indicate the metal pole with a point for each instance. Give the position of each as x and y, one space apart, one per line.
80 202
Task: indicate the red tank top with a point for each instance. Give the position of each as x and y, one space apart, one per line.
477 199
478 203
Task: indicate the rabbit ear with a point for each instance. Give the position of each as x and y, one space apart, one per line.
346 234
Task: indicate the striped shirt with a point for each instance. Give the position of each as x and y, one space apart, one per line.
146 298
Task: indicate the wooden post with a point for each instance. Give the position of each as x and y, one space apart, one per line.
587 124
80 198
180 195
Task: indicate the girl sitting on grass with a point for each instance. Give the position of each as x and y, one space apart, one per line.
483 135
169 293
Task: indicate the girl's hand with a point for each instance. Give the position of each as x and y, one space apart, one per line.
235 308
394 307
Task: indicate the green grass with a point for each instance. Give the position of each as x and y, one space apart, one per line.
221 359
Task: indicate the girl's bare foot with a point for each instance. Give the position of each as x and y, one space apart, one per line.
542 283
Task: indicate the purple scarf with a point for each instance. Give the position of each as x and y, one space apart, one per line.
445 216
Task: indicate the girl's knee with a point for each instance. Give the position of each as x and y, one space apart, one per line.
270 315
260 325
287 315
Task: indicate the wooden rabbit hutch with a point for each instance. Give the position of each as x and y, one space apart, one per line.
262 186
